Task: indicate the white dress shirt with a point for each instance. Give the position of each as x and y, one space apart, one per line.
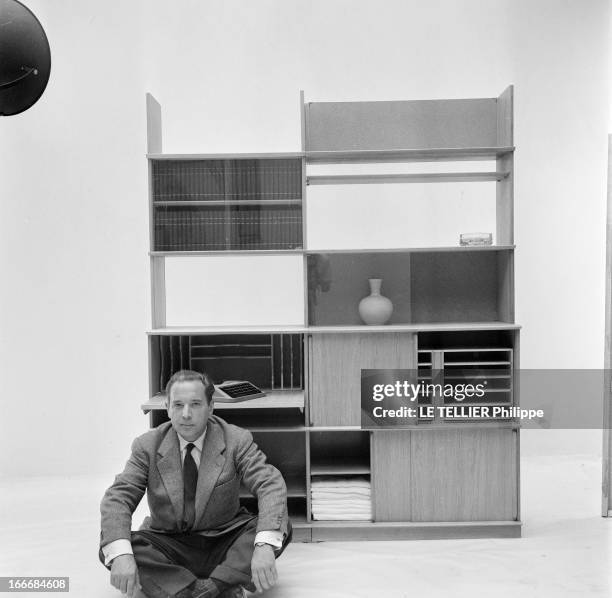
124 546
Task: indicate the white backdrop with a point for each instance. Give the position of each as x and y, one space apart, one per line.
73 197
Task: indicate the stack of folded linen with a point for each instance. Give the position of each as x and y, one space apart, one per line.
341 498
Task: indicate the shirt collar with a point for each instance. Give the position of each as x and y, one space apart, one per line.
198 442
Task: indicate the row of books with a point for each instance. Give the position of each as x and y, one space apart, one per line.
196 230
212 180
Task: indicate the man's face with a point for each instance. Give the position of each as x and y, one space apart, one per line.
188 409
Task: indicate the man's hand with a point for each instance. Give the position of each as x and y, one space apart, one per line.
124 574
263 567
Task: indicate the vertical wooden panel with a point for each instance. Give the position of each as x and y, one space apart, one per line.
158 292
391 479
505 274
606 505
505 202
505 187
305 239
505 108
308 487
154 124
302 121
158 283
464 475
336 364
415 124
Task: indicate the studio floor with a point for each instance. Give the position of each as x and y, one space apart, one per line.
49 526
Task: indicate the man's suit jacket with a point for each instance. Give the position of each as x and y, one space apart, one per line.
229 456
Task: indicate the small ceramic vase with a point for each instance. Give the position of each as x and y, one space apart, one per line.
375 309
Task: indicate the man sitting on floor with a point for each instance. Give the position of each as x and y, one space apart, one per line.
198 541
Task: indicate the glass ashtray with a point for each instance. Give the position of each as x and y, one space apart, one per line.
471 239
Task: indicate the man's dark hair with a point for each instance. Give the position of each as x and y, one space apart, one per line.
192 376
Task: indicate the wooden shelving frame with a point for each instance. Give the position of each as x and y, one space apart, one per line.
317 426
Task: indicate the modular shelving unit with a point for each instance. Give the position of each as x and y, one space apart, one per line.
453 308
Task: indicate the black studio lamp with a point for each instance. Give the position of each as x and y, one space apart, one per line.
25 58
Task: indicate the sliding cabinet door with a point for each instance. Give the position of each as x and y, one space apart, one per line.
336 361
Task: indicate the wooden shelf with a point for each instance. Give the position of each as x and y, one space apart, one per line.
425 426
477 363
275 429
345 466
225 156
448 376
229 202
425 327
249 252
407 155
262 329
406 530
377 179
466 349
201 330
335 429
215 252
274 399
433 249
468 424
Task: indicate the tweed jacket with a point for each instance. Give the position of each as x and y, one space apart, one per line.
229 457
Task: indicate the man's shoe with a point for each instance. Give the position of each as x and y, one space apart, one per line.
233 592
202 588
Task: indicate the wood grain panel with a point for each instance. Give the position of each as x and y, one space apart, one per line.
336 364
391 479
505 187
505 108
447 287
464 475
504 202
419 124
154 130
158 282
158 292
606 502
325 531
505 273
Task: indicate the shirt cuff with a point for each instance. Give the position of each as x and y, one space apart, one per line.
117 548
272 537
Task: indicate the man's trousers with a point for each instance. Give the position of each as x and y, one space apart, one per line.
168 563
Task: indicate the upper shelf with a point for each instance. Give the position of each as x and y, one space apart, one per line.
357 156
226 156
433 177
225 252
319 251
408 155
438 249
425 327
277 252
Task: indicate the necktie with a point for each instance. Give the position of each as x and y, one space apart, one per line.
190 481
